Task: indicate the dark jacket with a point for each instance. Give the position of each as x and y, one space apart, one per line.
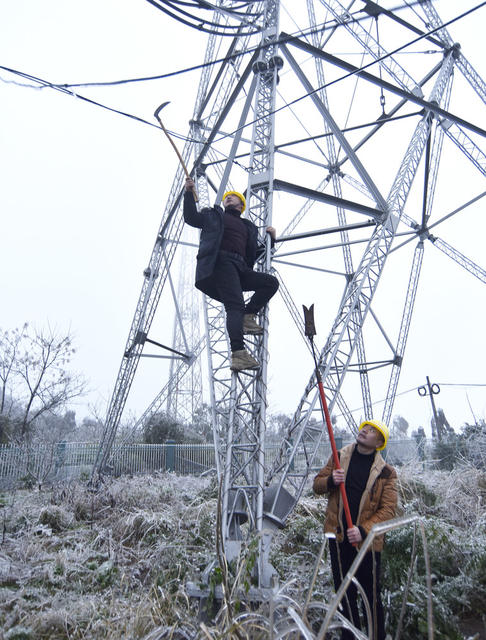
210 221
378 502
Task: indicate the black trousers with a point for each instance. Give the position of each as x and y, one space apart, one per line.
368 577
231 277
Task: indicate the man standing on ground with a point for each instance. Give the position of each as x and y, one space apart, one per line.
372 495
228 249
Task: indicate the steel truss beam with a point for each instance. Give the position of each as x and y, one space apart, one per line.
410 97
459 258
184 396
404 330
341 215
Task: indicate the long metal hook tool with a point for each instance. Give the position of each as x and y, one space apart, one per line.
181 160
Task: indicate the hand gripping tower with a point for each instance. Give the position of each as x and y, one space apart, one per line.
340 140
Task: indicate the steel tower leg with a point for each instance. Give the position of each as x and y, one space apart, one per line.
245 465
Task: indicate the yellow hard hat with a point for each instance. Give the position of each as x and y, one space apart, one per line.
238 195
382 428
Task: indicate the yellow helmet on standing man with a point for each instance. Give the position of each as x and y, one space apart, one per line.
381 427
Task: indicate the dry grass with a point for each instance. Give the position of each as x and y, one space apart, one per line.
106 565
115 564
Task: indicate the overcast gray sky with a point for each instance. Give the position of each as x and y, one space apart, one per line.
83 191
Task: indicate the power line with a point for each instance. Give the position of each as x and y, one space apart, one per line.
203 65
461 384
65 88
46 83
402 393
244 27
323 26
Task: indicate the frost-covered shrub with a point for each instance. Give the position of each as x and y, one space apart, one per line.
119 562
52 625
452 503
415 495
55 517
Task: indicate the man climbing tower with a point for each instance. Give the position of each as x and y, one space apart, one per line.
228 249
372 495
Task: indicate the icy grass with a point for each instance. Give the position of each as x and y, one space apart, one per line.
453 506
115 564
106 565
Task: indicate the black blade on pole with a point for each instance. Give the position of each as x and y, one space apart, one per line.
310 327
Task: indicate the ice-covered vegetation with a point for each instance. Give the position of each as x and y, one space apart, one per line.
116 563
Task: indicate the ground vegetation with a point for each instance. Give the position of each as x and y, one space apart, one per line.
116 563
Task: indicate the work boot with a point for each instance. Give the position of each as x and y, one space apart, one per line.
241 360
250 326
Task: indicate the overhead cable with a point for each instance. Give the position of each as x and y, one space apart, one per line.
246 21
323 26
46 83
65 88
196 67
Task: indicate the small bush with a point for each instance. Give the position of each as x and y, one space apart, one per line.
55 517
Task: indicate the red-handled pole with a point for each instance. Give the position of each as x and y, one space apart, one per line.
310 332
335 456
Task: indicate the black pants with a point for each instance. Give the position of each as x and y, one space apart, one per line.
364 575
231 277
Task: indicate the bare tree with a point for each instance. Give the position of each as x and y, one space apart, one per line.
34 374
10 341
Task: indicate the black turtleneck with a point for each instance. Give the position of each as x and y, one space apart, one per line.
356 479
235 232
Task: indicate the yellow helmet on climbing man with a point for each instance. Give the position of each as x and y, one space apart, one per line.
381 427
238 195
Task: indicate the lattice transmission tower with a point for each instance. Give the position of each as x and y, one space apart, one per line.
342 131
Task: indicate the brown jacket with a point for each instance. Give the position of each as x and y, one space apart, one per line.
378 502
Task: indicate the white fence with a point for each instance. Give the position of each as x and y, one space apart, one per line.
37 464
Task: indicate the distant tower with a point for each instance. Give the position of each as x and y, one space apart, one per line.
184 394
340 141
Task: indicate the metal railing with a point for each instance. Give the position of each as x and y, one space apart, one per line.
73 460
